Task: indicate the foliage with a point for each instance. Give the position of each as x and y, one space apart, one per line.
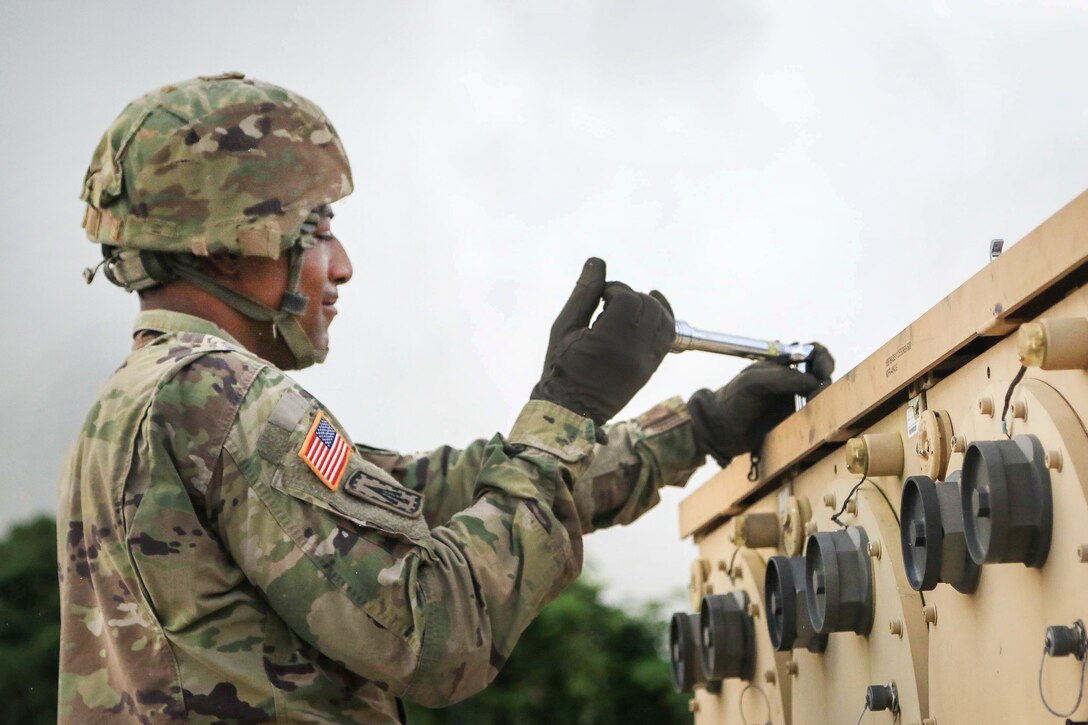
581 662
29 623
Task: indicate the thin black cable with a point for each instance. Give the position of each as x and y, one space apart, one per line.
886 499
729 569
1080 692
1008 398
846 501
854 490
864 709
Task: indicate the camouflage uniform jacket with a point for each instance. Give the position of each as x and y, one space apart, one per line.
209 573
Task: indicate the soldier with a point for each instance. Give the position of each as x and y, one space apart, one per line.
226 553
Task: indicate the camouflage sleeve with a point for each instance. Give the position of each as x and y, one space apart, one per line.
354 570
446 476
643 454
653 450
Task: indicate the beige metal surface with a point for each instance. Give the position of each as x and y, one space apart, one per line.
986 305
955 658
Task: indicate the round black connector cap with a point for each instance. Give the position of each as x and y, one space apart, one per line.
840 581
685 655
878 697
788 621
920 532
1007 501
727 636
684 651
780 593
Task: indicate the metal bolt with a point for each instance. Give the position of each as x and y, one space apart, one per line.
693 705
791 666
829 500
753 609
1019 409
896 627
810 528
1053 459
959 444
851 507
929 613
1082 553
874 549
769 677
736 573
986 406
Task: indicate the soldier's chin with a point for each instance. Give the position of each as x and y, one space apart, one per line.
320 353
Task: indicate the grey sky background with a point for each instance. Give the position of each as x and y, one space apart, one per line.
787 169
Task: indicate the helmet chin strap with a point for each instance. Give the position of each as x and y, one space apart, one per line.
285 320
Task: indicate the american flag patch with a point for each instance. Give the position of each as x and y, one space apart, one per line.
325 452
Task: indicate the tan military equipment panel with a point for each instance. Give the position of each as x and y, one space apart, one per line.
916 545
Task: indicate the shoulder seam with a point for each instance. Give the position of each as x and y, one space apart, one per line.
252 368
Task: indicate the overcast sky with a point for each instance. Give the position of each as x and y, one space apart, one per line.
783 169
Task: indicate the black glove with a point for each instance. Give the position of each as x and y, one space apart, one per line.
734 419
595 371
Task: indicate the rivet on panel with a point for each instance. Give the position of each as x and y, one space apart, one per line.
929 613
810 528
1053 459
896 627
986 406
791 666
1082 553
959 444
1019 410
829 500
753 609
852 507
769 677
693 705
874 549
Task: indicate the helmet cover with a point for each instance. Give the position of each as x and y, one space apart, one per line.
214 164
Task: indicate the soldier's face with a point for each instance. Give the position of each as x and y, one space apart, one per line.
325 266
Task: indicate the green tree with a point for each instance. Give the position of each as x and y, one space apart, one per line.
581 662
29 623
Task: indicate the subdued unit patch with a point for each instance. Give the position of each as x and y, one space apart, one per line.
390 496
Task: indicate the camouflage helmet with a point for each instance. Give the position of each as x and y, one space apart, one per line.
214 164
217 164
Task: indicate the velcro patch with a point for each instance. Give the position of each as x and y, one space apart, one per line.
390 496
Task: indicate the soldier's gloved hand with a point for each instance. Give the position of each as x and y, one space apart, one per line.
735 418
594 371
